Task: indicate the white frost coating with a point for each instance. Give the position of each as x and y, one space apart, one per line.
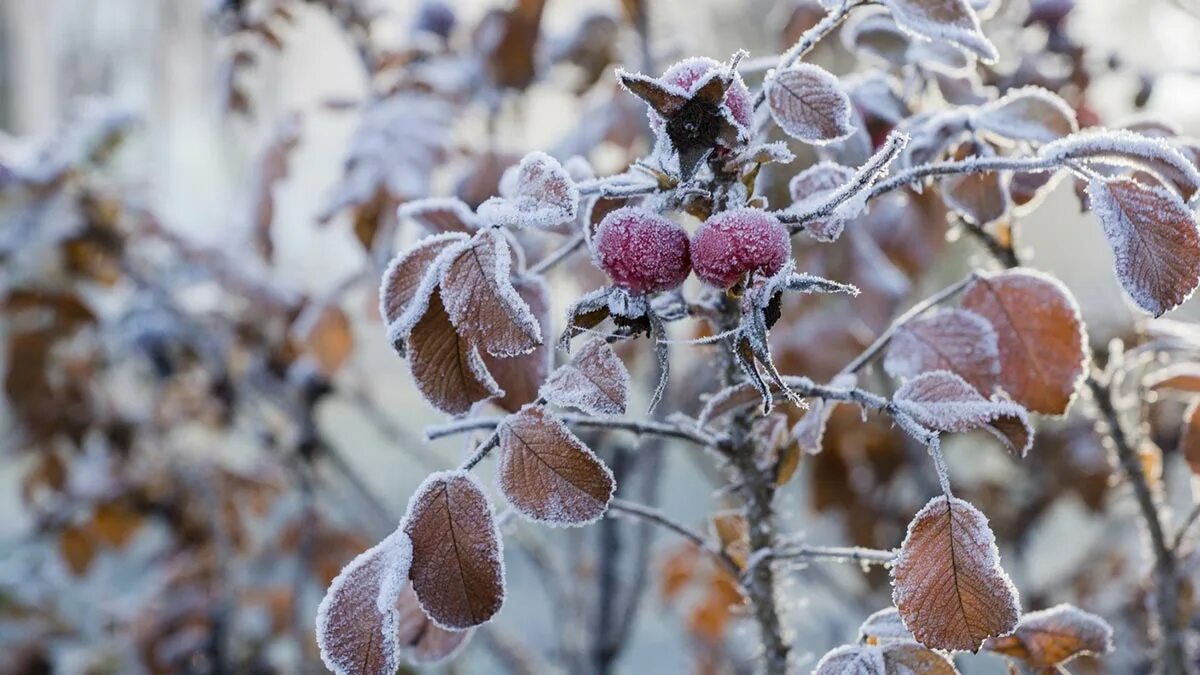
419 303
1045 634
944 401
852 660
808 103
957 340
1028 114
884 626
957 23
809 432
594 381
440 214
1126 148
396 267
811 187
544 196
361 601
1154 239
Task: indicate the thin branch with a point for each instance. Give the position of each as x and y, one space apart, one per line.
659 518
1186 525
851 554
964 166
558 255
647 427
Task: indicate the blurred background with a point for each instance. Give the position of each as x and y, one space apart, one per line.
202 418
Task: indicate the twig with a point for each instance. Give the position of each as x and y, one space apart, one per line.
659 518
1185 526
558 255
833 553
647 427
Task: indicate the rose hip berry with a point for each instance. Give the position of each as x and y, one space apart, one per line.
732 243
641 251
687 73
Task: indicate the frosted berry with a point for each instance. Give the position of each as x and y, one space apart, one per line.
641 251
687 73
732 243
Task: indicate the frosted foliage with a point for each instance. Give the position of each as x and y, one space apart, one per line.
641 251
440 214
545 196
458 564
687 76
807 102
1122 147
883 626
548 474
1189 440
482 302
956 340
947 581
910 658
1155 243
809 432
447 369
810 188
733 243
944 401
1041 337
1054 636
520 376
595 381
852 660
980 198
421 641
952 20
405 272
356 624
1028 114
1181 377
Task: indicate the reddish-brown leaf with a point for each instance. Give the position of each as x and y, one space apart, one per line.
407 284
1042 339
1054 636
548 474
732 531
910 658
947 581
1189 440
447 369
594 381
520 376
808 103
944 401
544 196
326 335
1028 114
952 20
458 557
980 198
1154 238
441 214
956 340
423 642
482 303
813 185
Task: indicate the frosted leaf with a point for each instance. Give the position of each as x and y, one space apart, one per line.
458 559
1040 334
1126 148
810 430
910 658
446 367
947 581
731 531
422 642
1183 377
944 401
548 474
1054 636
852 660
441 214
1028 114
980 198
952 20
520 376
594 381
355 622
482 302
882 627
876 34
956 340
940 56
545 196
808 103
1189 439
731 399
1155 242
775 152
409 280
811 187
1028 189
878 95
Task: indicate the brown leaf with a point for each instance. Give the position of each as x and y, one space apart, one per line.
441 215
352 628
1028 114
1182 377
810 430
952 20
808 103
272 169
447 368
1042 339
980 198
548 474
1054 636
422 641
947 581
1155 242
1189 439
733 533
481 301
407 283
944 401
594 381
956 340
811 187
884 626
905 658
458 558
507 39
325 333
520 376
544 197
77 549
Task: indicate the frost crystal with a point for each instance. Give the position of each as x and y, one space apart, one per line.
955 340
944 401
685 75
594 381
808 103
1028 114
952 20
545 196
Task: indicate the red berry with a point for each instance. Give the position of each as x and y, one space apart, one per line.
732 243
687 74
641 251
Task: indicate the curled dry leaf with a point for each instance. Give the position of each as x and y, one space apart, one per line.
548 474
814 185
545 196
1155 242
458 558
1028 114
447 369
594 381
808 103
520 376
952 20
482 302
423 642
732 532
956 340
1182 377
1054 636
440 215
407 283
944 401
896 658
1041 337
947 582
356 623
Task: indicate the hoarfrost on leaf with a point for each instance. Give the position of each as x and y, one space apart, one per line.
594 381
952 20
1028 114
1180 377
440 215
447 369
423 642
808 103
852 660
545 196
956 340
883 626
944 401
811 187
1051 637
410 278
520 376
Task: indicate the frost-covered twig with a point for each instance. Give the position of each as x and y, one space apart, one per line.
659 518
963 166
646 427
857 554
